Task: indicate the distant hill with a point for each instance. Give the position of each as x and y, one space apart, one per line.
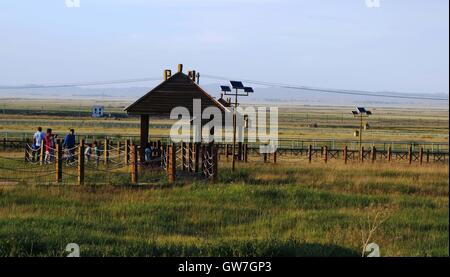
262 95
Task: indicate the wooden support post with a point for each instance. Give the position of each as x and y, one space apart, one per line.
410 154
325 154
171 162
374 154
197 156
428 155
246 153
361 154
42 153
143 136
134 164
58 162
27 155
202 166
421 155
118 149
265 157
215 154
81 162
389 153
345 154
106 151
227 150
126 152
310 153
239 151
190 154
275 156
183 155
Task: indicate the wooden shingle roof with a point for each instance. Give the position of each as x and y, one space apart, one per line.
178 90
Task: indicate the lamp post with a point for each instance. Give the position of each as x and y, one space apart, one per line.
361 113
237 86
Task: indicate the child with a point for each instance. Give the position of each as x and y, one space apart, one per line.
49 143
88 152
96 153
148 152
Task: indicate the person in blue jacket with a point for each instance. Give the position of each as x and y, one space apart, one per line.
69 143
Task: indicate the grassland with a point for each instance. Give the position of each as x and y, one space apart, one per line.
292 208
307 210
389 124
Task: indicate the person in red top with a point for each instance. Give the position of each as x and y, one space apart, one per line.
49 145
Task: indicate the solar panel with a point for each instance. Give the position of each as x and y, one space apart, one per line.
237 84
361 109
248 89
354 112
225 88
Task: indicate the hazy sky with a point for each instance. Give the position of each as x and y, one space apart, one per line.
403 45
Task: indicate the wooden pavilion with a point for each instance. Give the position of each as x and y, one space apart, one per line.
176 90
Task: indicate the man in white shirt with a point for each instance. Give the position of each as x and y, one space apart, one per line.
38 139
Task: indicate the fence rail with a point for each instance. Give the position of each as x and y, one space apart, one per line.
87 163
7 142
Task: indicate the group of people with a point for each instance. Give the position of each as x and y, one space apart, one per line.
151 152
47 140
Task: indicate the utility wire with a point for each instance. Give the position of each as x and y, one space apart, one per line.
81 84
270 84
327 90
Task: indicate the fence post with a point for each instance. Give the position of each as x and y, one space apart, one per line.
215 161
410 154
389 153
42 152
310 153
265 157
190 162
197 156
246 153
421 155
325 154
275 156
27 156
362 154
227 149
428 155
105 151
183 155
134 164
58 162
127 152
81 162
203 147
171 162
374 154
118 149
345 154
239 151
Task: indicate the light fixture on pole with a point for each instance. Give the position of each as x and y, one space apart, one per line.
361 113
237 86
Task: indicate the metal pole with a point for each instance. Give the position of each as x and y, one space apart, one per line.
234 132
360 131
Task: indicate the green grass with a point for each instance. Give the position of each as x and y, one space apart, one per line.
261 210
21 116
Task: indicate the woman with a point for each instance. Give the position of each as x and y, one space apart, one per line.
49 145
